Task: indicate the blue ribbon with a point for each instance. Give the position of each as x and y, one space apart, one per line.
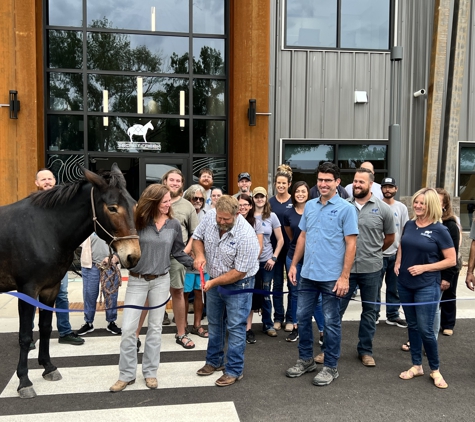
222 291
226 292
40 305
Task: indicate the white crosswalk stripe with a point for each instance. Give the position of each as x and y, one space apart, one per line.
97 379
110 346
223 412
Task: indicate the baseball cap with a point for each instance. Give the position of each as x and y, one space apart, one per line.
244 176
389 181
259 190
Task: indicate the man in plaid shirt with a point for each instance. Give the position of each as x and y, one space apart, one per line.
228 245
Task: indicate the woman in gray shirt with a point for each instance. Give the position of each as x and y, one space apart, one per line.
160 237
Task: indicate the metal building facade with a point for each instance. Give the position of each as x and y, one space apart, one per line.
312 91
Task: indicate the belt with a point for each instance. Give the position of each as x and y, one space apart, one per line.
147 277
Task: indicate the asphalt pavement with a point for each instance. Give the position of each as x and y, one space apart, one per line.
264 394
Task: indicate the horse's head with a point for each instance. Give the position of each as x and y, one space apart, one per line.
114 208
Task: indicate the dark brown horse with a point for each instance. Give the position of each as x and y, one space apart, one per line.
38 237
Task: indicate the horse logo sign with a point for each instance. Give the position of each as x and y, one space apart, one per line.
139 130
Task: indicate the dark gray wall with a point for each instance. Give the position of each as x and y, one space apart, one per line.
312 92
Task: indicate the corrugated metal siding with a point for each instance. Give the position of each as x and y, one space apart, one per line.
314 91
315 94
416 39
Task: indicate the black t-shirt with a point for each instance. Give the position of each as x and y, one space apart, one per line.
279 210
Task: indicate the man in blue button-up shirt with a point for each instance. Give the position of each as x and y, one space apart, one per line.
327 242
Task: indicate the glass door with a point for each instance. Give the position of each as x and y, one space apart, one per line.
153 169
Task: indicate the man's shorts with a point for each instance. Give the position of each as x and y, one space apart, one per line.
193 281
177 274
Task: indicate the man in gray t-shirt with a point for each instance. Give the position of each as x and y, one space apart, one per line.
376 234
399 210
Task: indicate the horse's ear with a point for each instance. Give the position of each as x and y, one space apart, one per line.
95 179
115 170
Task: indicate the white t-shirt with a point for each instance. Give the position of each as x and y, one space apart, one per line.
268 227
401 217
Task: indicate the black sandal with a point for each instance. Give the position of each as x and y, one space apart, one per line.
185 341
406 347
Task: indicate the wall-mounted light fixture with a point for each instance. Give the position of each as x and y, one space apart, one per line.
252 113
14 105
361 97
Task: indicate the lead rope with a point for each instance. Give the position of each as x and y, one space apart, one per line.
107 278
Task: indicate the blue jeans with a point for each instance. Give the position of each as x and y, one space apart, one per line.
267 276
293 295
420 322
62 302
90 291
331 310
392 296
368 284
278 300
228 312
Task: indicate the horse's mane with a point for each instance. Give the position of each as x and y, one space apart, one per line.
57 195
61 194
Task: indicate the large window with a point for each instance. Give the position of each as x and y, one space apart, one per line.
304 156
342 24
145 77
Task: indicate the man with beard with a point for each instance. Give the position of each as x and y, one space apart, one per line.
376 234
185 213
399 210
228 245
375 188
244 184
206 182
45 180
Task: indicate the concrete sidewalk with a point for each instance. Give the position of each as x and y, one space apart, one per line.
9 306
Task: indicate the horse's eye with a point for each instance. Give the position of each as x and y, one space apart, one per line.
112 209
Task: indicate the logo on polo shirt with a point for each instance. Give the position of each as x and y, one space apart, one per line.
375 210
334 213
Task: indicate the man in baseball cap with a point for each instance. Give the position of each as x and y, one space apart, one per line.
244 184
399 210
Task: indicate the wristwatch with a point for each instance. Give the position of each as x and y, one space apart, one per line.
274 258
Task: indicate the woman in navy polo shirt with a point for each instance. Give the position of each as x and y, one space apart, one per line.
425 250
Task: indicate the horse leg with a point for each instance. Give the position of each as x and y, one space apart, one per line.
25 311
50 373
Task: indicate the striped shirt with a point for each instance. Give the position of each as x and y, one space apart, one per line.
236 249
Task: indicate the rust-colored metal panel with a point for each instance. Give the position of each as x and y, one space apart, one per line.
19 71
249 78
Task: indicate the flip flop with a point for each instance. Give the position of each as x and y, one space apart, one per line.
406 347
411 373
439 381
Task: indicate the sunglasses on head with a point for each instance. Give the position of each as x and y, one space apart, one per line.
195 198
